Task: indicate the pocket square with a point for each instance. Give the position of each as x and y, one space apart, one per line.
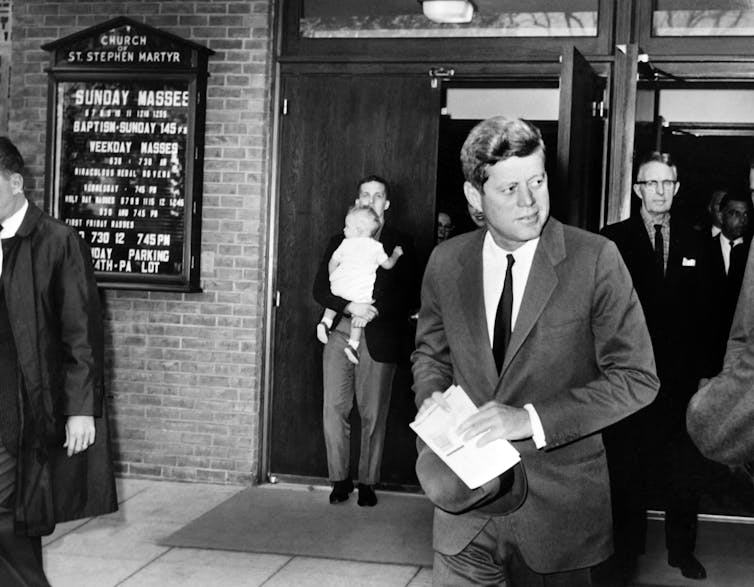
688 262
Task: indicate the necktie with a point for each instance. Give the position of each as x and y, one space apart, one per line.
659 250
731 255
735 260
502 332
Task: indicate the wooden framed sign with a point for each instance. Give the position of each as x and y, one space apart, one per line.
125 151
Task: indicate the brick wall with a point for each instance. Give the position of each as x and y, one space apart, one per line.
184 370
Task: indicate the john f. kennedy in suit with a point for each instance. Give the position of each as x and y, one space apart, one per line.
539 324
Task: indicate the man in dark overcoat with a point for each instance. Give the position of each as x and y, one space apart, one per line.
55 460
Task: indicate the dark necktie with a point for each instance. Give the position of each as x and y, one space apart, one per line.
731 255
502 332
659 250
735 260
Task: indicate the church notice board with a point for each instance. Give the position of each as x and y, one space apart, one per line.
125 151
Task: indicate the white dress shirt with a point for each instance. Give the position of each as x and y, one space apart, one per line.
10 226
494 266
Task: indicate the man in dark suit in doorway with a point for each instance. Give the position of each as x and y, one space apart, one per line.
727 254
720 414
369 382
666 259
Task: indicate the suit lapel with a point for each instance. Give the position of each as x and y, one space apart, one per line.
642 243
539 287
673 262
470 297
716 259
721 278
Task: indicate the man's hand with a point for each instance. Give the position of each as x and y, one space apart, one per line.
436 399
362 310
79 434
498 421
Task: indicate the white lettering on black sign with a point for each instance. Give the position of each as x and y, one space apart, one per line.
123 160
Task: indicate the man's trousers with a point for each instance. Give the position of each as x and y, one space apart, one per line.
370 384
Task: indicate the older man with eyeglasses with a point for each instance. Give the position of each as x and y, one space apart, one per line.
651 459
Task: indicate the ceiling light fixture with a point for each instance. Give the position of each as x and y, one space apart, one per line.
448 11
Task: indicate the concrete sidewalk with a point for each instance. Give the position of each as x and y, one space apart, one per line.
122 549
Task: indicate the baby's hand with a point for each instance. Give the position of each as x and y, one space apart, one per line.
398 251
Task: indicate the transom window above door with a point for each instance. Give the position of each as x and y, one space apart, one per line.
492 18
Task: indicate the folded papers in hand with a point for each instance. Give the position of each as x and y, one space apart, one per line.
475 465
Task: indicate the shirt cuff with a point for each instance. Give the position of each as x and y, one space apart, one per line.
537 432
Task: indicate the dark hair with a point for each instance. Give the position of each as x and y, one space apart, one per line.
496 139
735 196
378 179
10 159
656 157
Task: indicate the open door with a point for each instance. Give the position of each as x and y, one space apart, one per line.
578 197
336 129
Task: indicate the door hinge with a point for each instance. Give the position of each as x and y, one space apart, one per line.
437 73
285 106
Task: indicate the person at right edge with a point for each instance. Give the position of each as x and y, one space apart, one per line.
55 462
539 324
649 454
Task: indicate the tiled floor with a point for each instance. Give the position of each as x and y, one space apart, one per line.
123 549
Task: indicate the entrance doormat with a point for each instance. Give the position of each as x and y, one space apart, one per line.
300 521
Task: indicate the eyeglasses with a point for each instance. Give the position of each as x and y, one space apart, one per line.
667 184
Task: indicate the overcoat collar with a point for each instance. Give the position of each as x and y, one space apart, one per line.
539 287
33 213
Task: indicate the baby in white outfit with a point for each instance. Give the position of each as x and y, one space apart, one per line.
353 269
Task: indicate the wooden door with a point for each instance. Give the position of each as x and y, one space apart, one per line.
339 128
578 197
